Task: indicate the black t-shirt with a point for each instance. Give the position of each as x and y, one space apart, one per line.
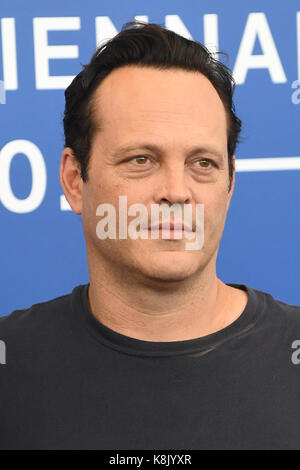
70 382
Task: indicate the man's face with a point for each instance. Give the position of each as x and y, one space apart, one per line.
172 112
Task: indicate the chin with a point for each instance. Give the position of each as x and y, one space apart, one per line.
170 266
169 276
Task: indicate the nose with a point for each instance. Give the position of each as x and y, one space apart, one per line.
172 187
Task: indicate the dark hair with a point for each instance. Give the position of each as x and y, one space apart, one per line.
145 45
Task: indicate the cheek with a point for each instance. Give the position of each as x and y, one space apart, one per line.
91 200
215 213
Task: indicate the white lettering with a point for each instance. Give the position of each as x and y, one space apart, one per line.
175 23
43 52
9 53
39 176
257 27
298 41
210 33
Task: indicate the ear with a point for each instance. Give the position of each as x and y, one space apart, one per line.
70 180
232 182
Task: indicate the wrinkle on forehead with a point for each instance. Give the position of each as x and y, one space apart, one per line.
173 109
133 93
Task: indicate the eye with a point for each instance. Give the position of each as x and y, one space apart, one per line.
140 158
205 160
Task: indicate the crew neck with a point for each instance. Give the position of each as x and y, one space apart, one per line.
133 346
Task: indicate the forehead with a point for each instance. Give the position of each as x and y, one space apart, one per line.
143 99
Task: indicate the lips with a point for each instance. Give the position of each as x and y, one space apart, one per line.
172 226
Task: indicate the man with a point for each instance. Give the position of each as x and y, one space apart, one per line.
155 352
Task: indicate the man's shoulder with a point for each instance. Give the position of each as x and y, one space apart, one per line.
278 309
268 310
40 334
39 315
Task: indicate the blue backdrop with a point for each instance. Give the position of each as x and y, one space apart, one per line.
42 46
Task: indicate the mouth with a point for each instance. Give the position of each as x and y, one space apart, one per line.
170 231
175 227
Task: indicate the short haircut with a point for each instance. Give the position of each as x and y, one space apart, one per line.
145 45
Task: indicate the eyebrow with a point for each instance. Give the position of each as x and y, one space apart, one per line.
198 150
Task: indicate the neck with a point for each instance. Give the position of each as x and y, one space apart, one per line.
160 311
